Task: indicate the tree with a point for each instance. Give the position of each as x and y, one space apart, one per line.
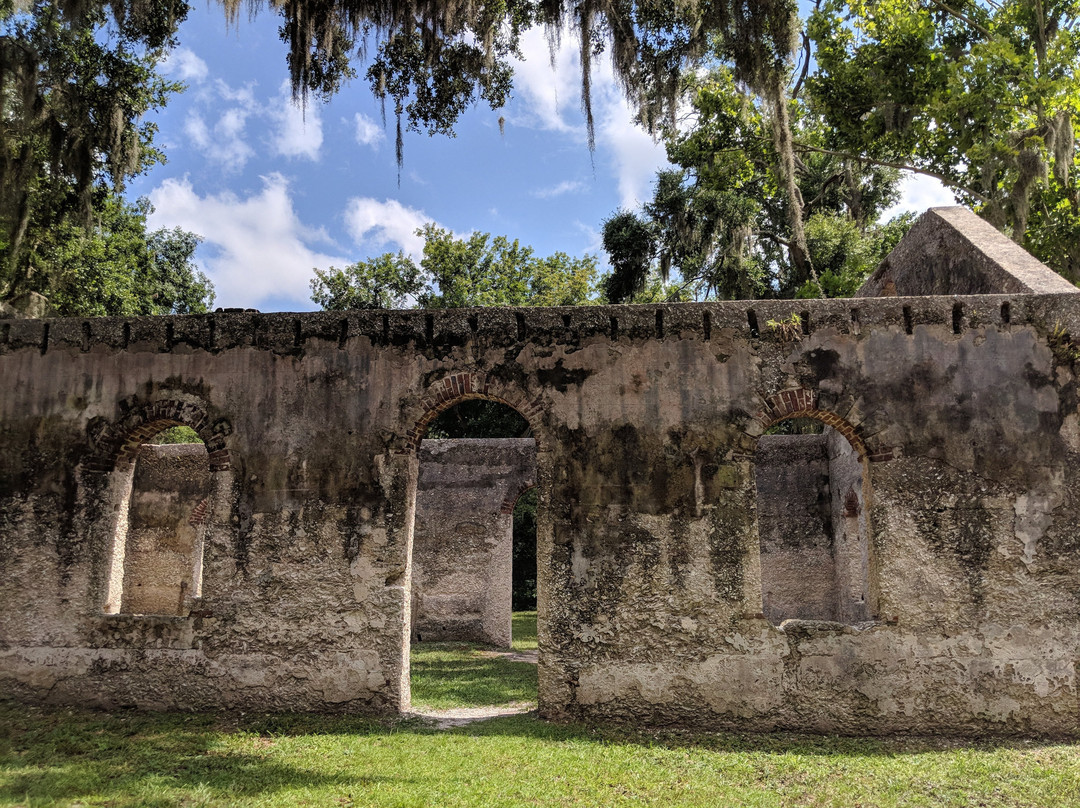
433 58
75 83
982 95
385 282
117 267
485 271
722 218
457 272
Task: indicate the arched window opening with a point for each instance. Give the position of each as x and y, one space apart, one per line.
812 526
473 575
158 547
478 419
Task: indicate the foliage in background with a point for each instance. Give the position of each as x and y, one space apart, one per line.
722 221
177 434
984 95
76 80
116 267
388 281
523 593
457 272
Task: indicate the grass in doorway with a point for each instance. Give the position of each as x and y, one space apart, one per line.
447 675
524 631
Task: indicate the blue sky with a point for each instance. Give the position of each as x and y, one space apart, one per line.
276 191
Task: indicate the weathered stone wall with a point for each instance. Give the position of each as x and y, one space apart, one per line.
795 523
463 538
851 549
951 251
166 515
962 411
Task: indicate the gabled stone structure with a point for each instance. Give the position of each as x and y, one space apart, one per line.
955 518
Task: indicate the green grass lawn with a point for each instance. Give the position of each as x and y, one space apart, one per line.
446 674
62 757
524 631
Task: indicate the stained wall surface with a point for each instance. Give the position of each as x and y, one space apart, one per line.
961 413
463 539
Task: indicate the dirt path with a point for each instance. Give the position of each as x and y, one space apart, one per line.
461 716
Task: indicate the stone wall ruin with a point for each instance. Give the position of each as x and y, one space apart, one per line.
961 412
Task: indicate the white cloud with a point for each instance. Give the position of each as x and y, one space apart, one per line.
299 130
225 141
550 99
636 156
542 89
242 96
259 248
182 64
385 226
919 192
197 131
368 133
594 239
564 187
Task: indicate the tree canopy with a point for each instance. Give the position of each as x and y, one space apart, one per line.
722 219
433 58
454 272
981 94
76 79
117 267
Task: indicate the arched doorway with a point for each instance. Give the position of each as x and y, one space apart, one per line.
475 459
163 467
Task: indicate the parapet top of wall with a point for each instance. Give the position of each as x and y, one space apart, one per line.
442 330
951 251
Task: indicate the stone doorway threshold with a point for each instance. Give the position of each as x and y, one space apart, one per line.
462 716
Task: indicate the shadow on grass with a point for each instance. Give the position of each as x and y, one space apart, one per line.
61 755
77 751
157 759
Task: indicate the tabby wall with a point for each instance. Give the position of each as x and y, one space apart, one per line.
960 414
795 525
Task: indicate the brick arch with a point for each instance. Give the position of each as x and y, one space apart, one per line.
116 444
802 403
511 500
459 387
